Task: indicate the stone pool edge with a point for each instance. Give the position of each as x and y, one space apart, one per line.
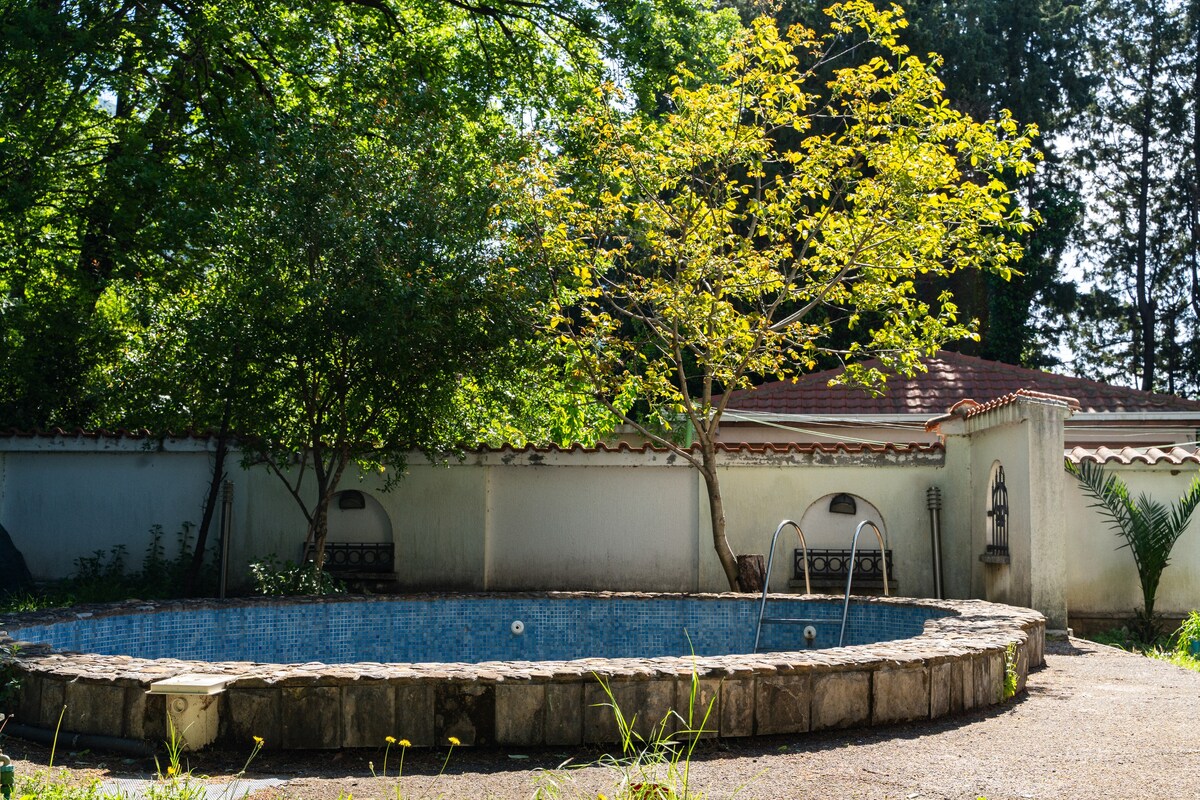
956 665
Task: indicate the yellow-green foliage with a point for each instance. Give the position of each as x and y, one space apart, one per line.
729 239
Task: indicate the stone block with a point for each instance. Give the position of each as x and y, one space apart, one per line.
841 700
652 704
1037 641
941 688
94 708
736 707
466 711
520 713
700 714
1022 665
414 714
368 714
783 703
965 668
54 698
989 678
311 717
644 705
29 699
599 716
564 713
246 713
134 712
900 694
154 718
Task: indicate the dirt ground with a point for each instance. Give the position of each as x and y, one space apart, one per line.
1094 723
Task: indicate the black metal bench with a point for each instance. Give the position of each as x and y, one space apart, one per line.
828 569
356 557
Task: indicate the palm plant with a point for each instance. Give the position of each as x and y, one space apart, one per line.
1149 527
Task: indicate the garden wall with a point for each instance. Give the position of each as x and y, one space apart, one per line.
1102 580
632 519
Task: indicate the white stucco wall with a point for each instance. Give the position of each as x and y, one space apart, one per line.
1025 437
620 520
59 505
758 497
584 527
1102 579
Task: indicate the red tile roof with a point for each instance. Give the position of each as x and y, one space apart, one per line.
103 433
1134 455
739 447
951 377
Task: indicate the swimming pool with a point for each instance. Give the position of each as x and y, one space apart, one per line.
473 629
519 670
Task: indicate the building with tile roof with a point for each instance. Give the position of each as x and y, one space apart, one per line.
809 409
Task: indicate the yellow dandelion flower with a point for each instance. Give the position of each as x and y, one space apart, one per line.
258 741
454 741
390 739
405 743
170 771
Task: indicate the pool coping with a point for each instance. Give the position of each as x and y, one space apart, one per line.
956 665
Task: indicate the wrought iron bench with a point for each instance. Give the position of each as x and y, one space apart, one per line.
356 558
828 569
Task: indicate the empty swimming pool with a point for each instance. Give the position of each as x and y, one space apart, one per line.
515 669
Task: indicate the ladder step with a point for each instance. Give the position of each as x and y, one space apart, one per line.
798 621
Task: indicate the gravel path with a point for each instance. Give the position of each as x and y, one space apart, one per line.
1095 723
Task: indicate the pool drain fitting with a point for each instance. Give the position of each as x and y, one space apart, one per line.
517 627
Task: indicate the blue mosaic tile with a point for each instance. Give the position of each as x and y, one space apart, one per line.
476 629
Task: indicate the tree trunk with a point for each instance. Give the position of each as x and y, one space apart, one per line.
716 510
319 529
1194 183
752 575
214 490
1145 302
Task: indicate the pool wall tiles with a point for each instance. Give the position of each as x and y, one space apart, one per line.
473 630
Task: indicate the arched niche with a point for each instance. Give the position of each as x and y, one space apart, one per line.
356 516
830 529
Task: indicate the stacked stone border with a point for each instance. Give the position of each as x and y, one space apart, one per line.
956 665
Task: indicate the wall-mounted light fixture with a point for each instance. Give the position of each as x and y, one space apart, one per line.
351 498
843 504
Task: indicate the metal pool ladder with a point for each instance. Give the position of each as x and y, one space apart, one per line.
762 607
850 571
763 619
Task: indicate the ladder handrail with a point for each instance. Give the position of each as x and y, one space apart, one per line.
850 571
762 608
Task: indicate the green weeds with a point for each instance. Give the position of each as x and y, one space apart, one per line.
652 767
1009 688
1181 648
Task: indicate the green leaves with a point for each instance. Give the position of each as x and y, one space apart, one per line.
693 241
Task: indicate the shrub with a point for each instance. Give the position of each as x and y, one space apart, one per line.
273 579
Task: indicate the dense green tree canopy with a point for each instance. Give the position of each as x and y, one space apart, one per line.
275 217
127 128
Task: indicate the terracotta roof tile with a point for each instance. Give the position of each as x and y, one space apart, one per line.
1134 455
951 377
622 447
1008 399
102 433
739 447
